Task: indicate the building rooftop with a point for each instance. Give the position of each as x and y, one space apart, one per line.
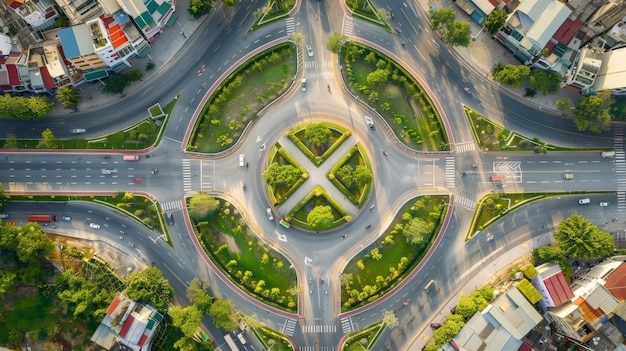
612 74
616 282
76 41
555 283
538 20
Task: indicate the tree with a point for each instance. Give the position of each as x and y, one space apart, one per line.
547 254
187 319
390 319
378 76
564 105
466 308
37 107
203 206
33 244
198 8
3 198
511 74
230 3
149 287
458 34
346 279
362 175
417 231
115 84
286 175
579 238
298 38
196 292
592 112
11 142
495 20
547 82
220 312
345 174
442 19
69 97
447 332
320 217
49 141
317 133
384 14
335 41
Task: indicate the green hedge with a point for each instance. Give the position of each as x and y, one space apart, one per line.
345 215
318 160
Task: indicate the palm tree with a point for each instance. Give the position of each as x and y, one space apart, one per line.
69 97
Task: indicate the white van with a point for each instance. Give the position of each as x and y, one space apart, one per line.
608 154
242 160
584 201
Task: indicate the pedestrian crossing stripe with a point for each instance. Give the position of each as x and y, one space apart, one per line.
289 327
346 325
317 329
172 205
465 202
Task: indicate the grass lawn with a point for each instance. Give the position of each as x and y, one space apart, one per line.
376 277
354 161
27 314
236 251
236 102
400 100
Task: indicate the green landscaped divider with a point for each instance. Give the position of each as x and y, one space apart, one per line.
339 185
289 216
305 175
317 161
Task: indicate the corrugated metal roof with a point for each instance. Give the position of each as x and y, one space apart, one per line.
558 288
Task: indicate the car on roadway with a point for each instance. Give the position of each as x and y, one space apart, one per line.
605 204
78 131
242 160
568 176
309 50
269 214
94 225
138 180
303 84
66 218
435 325
370 122
169 218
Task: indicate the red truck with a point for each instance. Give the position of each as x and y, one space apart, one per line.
42 218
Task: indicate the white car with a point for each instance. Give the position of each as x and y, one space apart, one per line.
309 50
67 218
78 131
94 225
303 84
604 204
242 160
269 214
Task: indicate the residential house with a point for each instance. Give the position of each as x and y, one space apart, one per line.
127 325
39 14
606 19
477 9
500 326
79 48
530 27
552 285
582 74
612 75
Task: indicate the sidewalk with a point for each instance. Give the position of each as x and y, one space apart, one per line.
164 48
483 53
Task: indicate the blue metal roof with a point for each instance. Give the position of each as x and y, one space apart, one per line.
68 41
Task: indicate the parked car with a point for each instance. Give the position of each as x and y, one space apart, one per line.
94 225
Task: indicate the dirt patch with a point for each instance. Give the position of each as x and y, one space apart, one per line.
232 244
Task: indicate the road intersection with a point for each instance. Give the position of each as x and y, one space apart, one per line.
398 177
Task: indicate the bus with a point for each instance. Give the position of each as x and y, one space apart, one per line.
430 284
231 343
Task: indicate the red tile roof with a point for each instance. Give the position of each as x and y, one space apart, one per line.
567 31
127 325
14 4
14 76
113 306
118 38
48 82
525 347
558 288
589 313
616 282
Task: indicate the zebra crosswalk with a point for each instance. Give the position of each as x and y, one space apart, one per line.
315 64
348 25
172 205
450 172
620 170
317 329
465 202
314 348
291 25
289 326
464 147
346 325
187 174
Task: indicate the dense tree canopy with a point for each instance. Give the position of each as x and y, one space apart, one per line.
203 206
27 108
592 112
286 175
321 217
69 97
335 41
579 238
187 319
197 294
441 19
513 75
221 313
48 141
547 82
83 297
317 133
149 287
495 20
417 232
458 34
